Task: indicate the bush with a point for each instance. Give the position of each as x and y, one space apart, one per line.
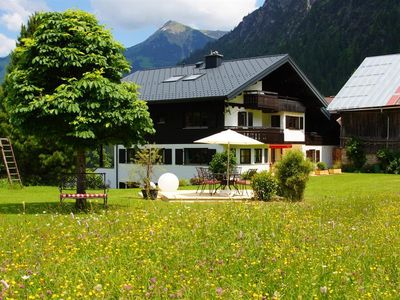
264 185
219 162
292 173
183 182
355 153
322 165
394 166
389 160
195 181
248 175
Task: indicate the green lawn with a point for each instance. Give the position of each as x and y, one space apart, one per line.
343 241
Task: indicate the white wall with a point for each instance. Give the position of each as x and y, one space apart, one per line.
132 172
231 116
326 153
291 135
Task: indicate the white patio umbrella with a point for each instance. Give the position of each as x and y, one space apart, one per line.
228 137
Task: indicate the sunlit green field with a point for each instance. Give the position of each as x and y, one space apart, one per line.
343 241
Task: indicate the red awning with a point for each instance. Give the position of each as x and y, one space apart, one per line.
280 146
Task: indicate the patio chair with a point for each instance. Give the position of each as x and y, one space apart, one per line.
201 175
206 179
243 183
211 180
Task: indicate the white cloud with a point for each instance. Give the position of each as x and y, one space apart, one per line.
203 14
15 12
6 45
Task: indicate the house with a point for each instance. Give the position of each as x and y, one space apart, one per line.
267 98
368 105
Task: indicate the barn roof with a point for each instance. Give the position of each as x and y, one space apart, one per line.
375 84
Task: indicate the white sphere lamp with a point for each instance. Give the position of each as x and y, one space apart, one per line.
168 182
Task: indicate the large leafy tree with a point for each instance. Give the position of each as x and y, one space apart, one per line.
65 83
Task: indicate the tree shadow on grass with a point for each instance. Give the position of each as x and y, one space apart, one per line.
34 208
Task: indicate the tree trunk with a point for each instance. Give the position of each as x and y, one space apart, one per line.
81 178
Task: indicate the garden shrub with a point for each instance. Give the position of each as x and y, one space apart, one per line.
183 182
394 166
355 153
389 161
292 173
264 185
195 181
322 165
248 175
219 162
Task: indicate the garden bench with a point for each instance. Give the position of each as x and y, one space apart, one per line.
95 184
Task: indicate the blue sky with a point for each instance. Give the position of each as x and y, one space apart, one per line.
131 21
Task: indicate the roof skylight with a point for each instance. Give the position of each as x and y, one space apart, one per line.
192 77
173 78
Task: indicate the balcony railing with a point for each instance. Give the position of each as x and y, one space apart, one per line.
271 102
263 134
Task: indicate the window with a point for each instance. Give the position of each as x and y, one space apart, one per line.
196 119
245 119
245 156
265 155
313 155
276 121
198 156
250 119
257 156
295 123
192 77
126 156
173 78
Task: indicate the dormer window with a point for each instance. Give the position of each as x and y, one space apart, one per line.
174 78
192 77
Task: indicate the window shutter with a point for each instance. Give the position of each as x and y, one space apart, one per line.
179 156
122 156
167 156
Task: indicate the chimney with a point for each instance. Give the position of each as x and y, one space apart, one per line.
213 60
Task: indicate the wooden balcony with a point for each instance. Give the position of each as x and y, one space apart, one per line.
263 134
271 102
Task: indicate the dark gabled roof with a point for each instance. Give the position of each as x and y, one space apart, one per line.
227 80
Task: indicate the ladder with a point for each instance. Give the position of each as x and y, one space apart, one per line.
9 161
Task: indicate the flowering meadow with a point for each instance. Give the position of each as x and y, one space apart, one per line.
343 241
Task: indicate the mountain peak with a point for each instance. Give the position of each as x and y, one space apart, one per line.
174 27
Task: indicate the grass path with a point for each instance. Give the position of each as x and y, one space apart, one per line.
342 242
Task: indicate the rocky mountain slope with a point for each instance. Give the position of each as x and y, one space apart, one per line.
327 38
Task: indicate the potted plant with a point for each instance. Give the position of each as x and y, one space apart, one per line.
322 168
146 158
336 168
